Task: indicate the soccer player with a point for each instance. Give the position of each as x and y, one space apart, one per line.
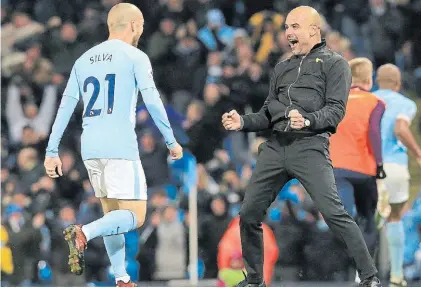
397 138
356 150
108 78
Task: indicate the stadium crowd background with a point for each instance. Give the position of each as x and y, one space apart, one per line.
209 56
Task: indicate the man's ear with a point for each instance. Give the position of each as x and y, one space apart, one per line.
313 30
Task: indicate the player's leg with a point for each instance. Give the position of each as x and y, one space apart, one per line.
124 180
312 167
267 179
115 245
73 234
397 185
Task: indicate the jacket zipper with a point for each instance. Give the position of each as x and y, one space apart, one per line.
289 97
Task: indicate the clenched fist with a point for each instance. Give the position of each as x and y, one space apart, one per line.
176 152
297 120
231 120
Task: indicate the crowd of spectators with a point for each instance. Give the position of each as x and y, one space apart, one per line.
208 56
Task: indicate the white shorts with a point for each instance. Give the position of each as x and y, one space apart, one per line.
396 183
117 178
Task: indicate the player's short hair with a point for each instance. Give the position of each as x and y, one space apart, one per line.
361 70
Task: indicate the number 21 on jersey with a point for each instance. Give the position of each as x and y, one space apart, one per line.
89 112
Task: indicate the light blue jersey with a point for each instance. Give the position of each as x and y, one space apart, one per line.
397 107
108 78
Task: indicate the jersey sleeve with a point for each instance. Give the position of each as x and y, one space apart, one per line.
408 111
72 87
143 72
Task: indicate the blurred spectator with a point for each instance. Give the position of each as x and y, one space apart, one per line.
216 35
233 274
24 239
211 231
6 259
231 243
154 160
21 28
59 258
171 250
19 116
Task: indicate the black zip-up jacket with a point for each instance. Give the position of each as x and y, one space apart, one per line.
317 85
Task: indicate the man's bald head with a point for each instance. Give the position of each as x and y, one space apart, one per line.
389 77
303 29
125 22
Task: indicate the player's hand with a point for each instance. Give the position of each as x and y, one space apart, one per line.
53 167
231 120
297 120
176 152
380 174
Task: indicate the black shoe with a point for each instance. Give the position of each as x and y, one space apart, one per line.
263 284
244 283
370 282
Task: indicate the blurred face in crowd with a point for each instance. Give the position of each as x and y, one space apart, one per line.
4 174
212 94
29 136
110 3
333 41
68 33
194 112
30 110
167 26
27 159
175 5
303 29
229 71
21 20
218 207
244 53
34 52
68 161
170 214
67 214
255 72
148 142
159 200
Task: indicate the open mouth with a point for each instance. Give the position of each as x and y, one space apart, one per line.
293 43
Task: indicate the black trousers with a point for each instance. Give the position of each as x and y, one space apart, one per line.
280 159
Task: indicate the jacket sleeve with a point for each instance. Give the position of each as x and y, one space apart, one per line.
338 83
261 120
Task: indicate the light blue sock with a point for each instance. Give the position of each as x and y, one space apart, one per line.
112 223
116 251
396 239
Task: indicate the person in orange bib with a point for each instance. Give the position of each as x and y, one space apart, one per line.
356 150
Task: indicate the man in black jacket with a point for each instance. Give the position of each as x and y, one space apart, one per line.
307 99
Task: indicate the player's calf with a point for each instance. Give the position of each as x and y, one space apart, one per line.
138 207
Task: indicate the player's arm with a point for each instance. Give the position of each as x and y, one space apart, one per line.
403 132
67 106
375 138
374 131
152 99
